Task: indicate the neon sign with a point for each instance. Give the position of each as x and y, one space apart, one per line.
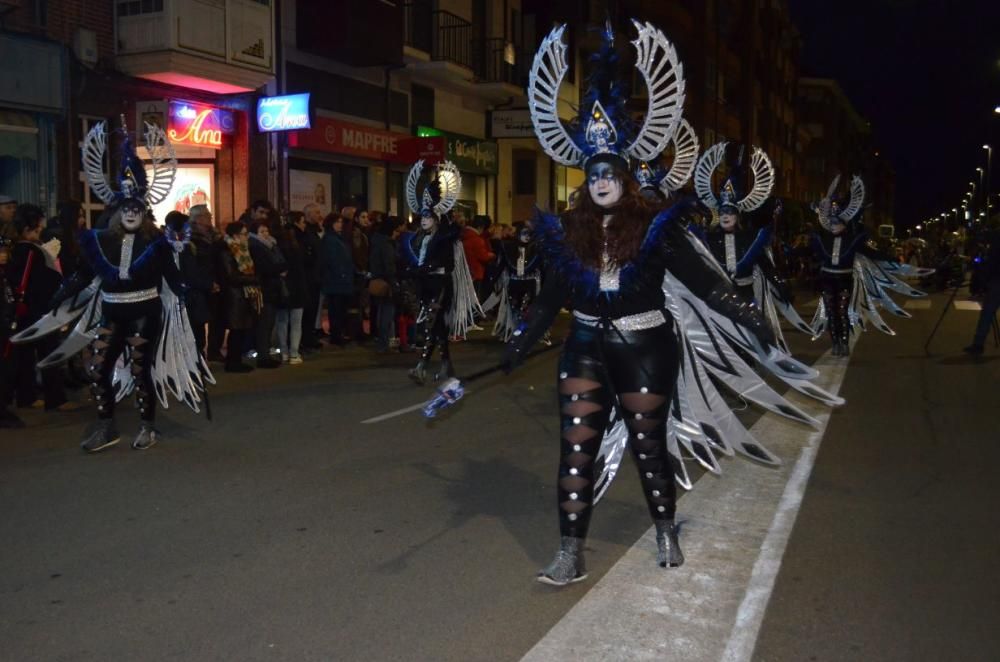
197 124
284 113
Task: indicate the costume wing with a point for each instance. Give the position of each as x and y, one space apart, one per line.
701 424
546 77
505 323
83 311
464 302
178 368
163 161
95 144
685 159
873 280
772 300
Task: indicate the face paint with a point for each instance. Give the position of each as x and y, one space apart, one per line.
131 218
428 223
604 185
524 237
728 220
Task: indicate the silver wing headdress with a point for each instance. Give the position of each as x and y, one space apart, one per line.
685 157
760 168
439 195
133 180
828 209
600 132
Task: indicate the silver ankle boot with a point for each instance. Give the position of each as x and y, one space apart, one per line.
101 435
419 373
668 549
568 566
147 437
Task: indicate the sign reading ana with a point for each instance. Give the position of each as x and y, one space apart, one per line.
284 113
198 124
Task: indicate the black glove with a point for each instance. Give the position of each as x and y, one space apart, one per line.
724 300
516 349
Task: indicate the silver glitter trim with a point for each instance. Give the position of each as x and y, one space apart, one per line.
744 281
640 322
836 271
126 261
730 252
835 255
129 297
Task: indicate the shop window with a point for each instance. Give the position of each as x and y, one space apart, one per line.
137 7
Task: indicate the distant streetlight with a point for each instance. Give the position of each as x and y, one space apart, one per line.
920 227
989 179
997 110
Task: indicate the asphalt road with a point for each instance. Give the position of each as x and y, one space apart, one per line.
288 530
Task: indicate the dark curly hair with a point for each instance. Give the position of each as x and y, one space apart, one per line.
583 225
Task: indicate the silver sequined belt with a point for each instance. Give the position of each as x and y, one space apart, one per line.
129 297
830 270
743 282
639 322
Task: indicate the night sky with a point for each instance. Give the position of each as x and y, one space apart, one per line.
926 74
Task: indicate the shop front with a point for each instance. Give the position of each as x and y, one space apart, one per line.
338 163
478 161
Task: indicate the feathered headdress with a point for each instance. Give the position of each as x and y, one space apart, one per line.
828 210
439 194
730 197
603 130
652 175
132 181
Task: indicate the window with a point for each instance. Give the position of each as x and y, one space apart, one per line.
137 7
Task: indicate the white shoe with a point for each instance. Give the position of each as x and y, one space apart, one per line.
295 360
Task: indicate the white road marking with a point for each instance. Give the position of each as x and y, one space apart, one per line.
917 304
968 305
734 535
393 414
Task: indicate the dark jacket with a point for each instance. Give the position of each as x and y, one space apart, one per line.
240 314
269 264
382 263
312 248
42 282
198 265
296 282
338 265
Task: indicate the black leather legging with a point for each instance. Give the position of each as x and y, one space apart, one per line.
434 293
114 335
635 371
836 292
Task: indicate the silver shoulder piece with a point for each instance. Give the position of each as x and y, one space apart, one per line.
685 158
164 164
763 181
95 145
707 165
656 60
544 80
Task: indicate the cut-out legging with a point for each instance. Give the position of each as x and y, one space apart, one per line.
836 292
635 371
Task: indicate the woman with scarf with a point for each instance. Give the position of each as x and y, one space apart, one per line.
241 290
271 270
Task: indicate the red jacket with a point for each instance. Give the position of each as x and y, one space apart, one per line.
477 252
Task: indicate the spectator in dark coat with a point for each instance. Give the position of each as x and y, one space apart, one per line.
338 277
289 318
33 266
382 265
271 270
197 267
241 293
307 232
8 419
991 297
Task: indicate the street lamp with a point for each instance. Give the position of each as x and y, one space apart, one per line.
989 171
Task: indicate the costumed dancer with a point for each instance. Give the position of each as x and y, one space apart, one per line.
745 253
445 290
653 315
125 303
854 276
520 280
661 186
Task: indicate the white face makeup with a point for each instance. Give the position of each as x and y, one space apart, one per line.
604 184
428 224
728 220
131 218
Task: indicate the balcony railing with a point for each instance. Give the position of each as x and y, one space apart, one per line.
418 25
492 65
452 38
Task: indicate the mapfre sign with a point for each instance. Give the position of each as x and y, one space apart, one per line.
332 135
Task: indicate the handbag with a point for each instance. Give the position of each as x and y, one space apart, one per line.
379 287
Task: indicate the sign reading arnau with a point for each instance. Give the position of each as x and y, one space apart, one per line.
285 113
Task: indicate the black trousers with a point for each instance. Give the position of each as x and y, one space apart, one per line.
636 372
216 324
139 337
836 292
434 292
25 359
310 310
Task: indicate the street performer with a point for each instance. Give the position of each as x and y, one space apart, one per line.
125 302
